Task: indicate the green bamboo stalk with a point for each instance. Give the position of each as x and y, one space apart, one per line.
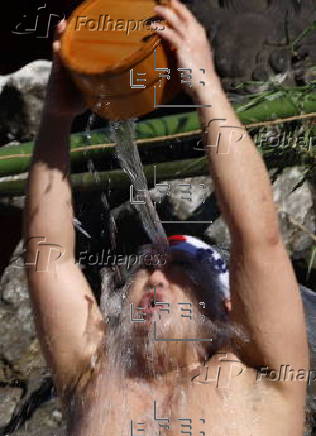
118 180
277 105
119 183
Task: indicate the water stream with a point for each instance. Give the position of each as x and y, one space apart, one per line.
123 134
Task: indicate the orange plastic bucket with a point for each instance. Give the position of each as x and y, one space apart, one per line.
116 59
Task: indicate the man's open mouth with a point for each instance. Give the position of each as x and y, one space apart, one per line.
148 303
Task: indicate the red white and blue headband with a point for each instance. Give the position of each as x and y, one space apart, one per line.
205 254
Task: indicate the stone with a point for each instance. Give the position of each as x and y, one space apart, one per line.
239 56
280 60
15 312
260 75
47 420
21 102
296 211
186 195
245 5
218 233
9 398
21 361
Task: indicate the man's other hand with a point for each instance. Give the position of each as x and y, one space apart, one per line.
188 38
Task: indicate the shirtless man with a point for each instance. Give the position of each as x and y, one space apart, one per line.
152 377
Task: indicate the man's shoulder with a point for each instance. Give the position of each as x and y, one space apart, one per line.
285 384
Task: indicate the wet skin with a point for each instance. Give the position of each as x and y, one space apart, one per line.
222 396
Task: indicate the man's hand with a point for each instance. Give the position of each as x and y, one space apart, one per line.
63 98
188 38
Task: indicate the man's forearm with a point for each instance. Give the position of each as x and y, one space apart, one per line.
241 180
49 211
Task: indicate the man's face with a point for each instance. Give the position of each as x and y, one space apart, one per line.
169 316
167 285
167 300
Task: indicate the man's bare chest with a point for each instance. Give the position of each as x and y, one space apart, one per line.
204 403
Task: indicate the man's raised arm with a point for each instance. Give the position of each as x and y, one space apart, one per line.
264 290
65 311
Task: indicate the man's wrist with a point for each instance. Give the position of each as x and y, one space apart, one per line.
207 95
57 119
54 129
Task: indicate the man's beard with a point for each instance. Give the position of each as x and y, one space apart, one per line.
162 345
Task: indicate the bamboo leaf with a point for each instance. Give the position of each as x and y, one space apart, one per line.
311 262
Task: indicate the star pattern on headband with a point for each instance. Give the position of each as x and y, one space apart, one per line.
213 257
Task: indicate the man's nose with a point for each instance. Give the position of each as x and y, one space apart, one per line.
158 279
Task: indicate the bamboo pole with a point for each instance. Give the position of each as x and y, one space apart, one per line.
119 184
117 180
275 109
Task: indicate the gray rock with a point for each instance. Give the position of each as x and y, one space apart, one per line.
239 57
21 360
21 101
9 398
297 214
296 211
186 195
15 314
280 60
47 420
219 233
